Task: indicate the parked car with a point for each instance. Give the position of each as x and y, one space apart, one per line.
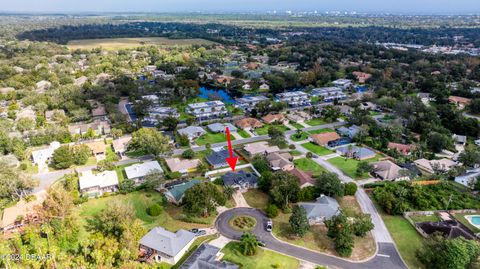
268 225
261 243
198 232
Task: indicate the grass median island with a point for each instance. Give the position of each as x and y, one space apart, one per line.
316 149
262 260
242 223
295 137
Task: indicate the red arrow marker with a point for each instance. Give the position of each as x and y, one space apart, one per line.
232 161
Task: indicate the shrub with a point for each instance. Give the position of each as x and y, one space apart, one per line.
272 211
188 154
174 175
292 147
154 210
350 188
309 155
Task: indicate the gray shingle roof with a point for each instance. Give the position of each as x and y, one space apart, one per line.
324 206
220 127
204 258
167 242
218 158
239 178
142 169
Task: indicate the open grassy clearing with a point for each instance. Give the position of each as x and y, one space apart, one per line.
316 149
126 43
308 165
256 198
316 238
261 260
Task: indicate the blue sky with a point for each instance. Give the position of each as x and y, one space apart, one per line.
393 6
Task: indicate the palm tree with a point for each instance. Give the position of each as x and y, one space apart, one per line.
249 244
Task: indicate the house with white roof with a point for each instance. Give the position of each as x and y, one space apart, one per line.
164 246
42 157
249 103
329 94
469 178
97 184
192 132
342 83
206 110
294 99
137 172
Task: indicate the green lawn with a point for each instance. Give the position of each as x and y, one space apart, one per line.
171 217
406 238
211 138
242 133
261 260
321 131
461 217
297 125
264 129
256 198
295 153
308 165
110 155
135 154
349 166
315 122
424 218
321 151
303 136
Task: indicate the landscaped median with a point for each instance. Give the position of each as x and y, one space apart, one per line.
242 223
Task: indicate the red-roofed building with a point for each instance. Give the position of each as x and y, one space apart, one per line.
401 148
460 102
305 179
361 76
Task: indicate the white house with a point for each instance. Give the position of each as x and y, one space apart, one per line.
42 157
164 246
469 178
98 184
137 172
207 109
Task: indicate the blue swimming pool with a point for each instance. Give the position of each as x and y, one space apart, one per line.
474 220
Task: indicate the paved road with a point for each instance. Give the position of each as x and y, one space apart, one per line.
386 258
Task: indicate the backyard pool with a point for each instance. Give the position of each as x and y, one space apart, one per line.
474 220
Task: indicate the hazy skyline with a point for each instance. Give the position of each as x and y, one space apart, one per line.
364 6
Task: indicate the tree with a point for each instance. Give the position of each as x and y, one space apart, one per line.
170 123
437 142
474 106
331 113
439 252
150 141
261 164
153 180
271 211
276 136
105 165
341 231
188 154
154 210
329 184
62 158
57 205
202 199
470 157
350 188
362 225
228 191
249 244
14 184
25 124
182 140
363 167
298 221
81 153
126 186
284 188
116 133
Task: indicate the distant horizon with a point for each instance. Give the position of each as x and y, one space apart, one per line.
373 7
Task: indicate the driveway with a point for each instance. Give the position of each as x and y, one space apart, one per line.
387 256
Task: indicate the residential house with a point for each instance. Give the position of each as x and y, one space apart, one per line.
249 103
164 246
120 145
425 98
400 148
21 213
305 179
359 153
7 90
240 180
387 170
264 87
298 116
192 132
98 148
174 193
258 148
368 106
349 132
459 102
221 127
430 166
207 256
42 157
248 123
182 165
156 113
324 208
280 161
97 184
323 138
294 99
362 77
272 118
460 139
207 110
138 172
99 127
345 110
329 94
469 178
27 113
342 83
99 112
218 159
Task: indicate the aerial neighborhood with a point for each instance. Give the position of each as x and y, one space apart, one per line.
221 145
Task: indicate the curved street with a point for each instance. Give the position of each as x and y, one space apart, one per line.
387 256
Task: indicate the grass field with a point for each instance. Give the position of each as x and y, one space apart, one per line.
308 165
256 199
121 171
264 129
261 260
243 134
297 125
211 138
315 122
349 166
321 151
303 136
126 43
